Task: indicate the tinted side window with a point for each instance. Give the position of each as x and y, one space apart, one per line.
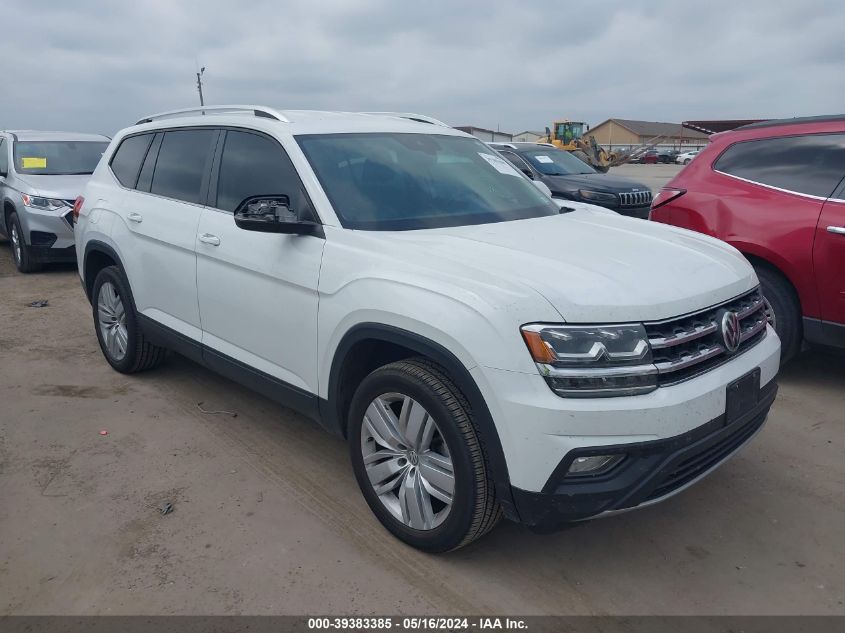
4 157
812 164
126 161
181 164
516 161
254 165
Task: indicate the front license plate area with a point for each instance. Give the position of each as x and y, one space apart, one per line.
743 395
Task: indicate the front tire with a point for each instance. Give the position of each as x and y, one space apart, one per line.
786 308
21 254
418 459
687 161
116 322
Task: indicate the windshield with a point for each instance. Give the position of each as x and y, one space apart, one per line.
394 182
556 162
568 131
58 158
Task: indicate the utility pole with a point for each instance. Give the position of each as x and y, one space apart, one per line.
199 84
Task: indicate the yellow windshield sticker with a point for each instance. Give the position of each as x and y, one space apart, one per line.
33 162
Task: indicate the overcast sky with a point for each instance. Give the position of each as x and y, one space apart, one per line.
98 65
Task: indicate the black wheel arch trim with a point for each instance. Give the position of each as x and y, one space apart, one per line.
100 247
334 419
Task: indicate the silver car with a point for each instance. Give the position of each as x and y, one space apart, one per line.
41 174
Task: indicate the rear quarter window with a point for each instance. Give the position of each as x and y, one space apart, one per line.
811 164
126 162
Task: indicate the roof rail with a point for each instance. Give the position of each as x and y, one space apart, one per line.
419 118
824 118
259 111
503 144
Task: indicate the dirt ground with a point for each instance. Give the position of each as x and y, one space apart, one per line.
655 176
267 517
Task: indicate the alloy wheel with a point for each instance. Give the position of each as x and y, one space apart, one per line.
407 461
16 242
112 319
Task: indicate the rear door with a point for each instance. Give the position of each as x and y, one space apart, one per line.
258 291
829 260
789 179
160 218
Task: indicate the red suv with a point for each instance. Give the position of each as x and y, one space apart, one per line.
776 192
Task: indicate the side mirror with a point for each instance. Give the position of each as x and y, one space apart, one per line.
527 172
272 214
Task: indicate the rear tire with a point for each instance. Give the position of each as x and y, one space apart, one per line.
687 161
21 254
119 333
787 310
402 467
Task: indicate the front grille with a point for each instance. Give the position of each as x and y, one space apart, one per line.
690 345
695 465
635 198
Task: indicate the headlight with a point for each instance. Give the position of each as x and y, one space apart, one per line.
592 361
597 196
48 204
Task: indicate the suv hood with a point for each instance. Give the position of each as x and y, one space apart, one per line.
62 187
592 267
596 182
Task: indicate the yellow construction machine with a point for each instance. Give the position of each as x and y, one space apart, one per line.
569 136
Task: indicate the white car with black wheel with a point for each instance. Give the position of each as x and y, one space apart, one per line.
484 350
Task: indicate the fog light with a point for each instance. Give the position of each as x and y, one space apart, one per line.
594 464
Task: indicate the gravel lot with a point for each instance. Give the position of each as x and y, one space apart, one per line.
267 518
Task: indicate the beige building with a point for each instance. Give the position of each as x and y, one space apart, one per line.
627 133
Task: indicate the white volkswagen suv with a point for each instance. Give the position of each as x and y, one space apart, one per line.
484 350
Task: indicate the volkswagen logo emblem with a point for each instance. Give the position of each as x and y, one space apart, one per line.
731 333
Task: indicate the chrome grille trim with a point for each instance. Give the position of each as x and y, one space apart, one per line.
759 326
689 345
700 330
635 198
683 337
688 361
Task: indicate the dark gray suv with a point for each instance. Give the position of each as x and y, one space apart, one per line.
570 178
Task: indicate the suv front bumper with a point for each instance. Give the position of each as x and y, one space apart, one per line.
650 471
541 433
48 235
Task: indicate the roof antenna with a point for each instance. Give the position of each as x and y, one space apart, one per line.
200 73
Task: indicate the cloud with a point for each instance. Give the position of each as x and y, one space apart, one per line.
99 65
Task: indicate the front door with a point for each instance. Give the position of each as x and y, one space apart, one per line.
258 291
